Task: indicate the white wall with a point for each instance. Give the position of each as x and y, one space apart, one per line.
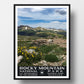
6 42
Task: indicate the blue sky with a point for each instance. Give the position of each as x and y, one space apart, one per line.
43 17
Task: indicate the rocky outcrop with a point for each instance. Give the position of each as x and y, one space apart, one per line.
19 58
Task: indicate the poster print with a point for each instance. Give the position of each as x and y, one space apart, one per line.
41 41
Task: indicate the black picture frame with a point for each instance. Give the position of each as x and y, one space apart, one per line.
14 66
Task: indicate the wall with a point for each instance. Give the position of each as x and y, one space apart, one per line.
6 42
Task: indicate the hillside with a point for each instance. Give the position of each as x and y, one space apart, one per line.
41 32
41 46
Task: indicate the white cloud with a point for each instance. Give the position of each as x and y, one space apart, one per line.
40 16
36 15
37 9
23 13
53 24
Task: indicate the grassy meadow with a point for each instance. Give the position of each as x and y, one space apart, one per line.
33 46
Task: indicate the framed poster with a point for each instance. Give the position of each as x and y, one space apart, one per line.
42 41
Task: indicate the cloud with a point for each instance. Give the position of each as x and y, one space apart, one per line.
61 11
37 9
43 17
42 13
23 13
53 24
48 11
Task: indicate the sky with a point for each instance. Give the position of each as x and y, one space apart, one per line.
43 17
